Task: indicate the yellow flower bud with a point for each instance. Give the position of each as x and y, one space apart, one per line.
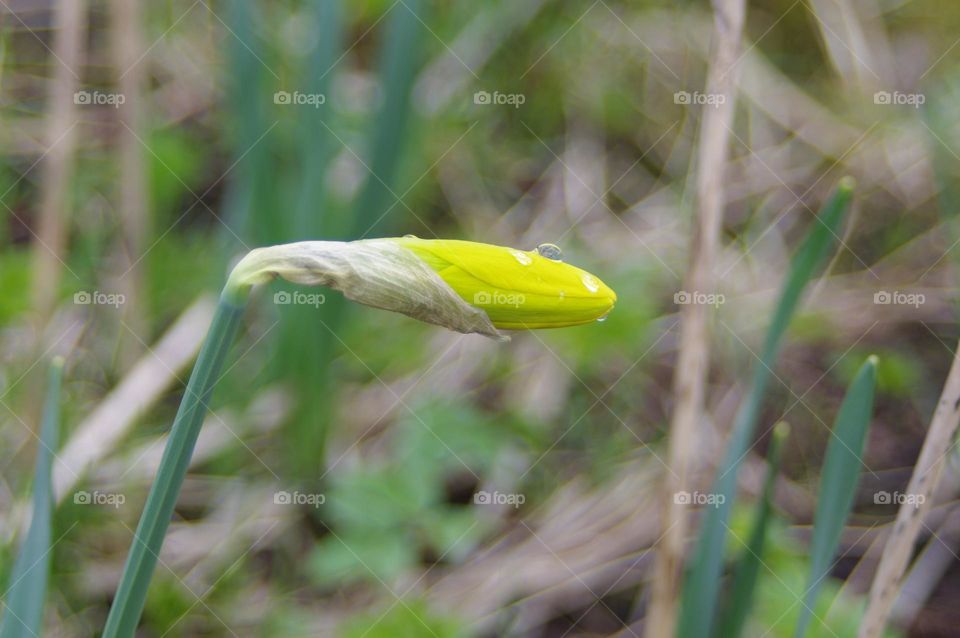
518 289
462 285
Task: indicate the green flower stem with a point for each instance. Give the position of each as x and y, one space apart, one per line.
142 560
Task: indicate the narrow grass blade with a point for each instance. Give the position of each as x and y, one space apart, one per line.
316 143
145 549
399 60
746 572
23 615
702 586
305 346
838 482
250 208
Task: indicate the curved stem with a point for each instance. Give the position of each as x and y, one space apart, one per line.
148 539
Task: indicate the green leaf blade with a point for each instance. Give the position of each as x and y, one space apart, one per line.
747 571
23 614
838 482
701 590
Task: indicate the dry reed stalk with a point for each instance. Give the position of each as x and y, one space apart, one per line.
127 36
693 361
923 482
70 20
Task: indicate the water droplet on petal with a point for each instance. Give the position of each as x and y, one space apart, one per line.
550 251
602 319
562 294
590 282
522 257
411 237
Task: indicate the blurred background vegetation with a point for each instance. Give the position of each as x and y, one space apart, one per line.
171 137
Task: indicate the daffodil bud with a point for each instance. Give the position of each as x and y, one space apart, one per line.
461 285
518 289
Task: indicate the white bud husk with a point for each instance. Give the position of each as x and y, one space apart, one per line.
372 272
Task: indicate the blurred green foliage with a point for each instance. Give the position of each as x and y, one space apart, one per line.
384 517
404 619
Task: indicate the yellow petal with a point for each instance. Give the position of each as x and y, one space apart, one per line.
517 289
